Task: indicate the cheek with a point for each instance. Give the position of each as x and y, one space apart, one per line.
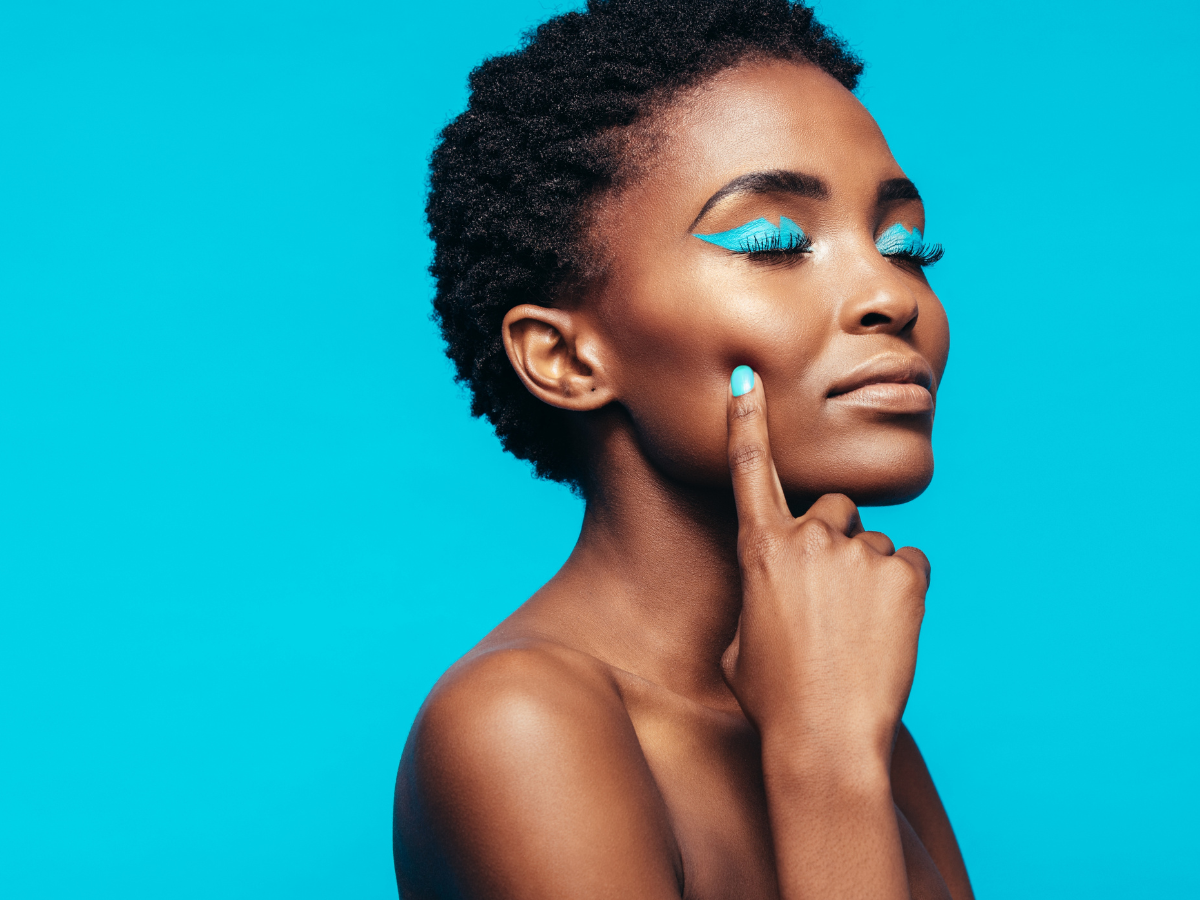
675 342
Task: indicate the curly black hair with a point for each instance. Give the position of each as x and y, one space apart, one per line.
511 177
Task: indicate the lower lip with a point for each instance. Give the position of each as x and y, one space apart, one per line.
890 398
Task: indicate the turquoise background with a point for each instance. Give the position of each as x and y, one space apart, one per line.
245 519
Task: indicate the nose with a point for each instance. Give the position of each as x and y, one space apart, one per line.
881 302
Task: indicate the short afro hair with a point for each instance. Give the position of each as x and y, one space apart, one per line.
511 177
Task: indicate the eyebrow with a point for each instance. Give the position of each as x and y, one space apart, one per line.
801 185
897 189
778 182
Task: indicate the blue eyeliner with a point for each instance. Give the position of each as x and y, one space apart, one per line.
759 235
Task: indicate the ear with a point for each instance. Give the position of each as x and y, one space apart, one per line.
557 356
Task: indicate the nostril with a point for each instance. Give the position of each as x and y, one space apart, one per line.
875 319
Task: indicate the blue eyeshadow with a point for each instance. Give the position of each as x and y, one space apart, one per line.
898 239
759 235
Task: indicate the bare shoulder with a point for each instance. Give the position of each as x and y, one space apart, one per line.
523 775
917 798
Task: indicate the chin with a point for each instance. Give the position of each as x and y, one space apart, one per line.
884 473
889 492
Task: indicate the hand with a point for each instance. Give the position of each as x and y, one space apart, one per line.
826 646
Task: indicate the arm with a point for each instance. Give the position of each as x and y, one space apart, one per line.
917 798
834 824
523 777
822 663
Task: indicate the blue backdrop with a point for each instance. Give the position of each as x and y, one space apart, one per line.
232 560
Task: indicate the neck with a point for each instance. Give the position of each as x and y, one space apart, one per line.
652 586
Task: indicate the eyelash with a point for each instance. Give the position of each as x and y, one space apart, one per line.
926 256
774 250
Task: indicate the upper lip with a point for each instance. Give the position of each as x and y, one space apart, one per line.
890 368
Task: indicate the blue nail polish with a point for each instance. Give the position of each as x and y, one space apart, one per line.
741 381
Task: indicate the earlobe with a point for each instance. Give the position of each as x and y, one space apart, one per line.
556 357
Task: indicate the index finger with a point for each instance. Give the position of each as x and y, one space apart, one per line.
756 487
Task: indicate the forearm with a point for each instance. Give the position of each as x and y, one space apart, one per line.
834 823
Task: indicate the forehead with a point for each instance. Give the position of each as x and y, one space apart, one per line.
761 117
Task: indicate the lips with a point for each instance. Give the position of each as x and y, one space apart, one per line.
893 383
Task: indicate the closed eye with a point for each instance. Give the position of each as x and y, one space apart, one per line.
908 246
761 241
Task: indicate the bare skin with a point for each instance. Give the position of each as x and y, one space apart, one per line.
705 701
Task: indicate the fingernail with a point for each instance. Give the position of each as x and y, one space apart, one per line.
741 381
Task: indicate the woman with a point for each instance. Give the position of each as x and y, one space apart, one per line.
680 271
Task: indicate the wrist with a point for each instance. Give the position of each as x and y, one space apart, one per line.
832 800
845 780
849 756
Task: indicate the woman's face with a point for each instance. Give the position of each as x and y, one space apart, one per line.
846 334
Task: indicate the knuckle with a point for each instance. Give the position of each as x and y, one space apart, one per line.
919 562
745 407
907 577
815 535
748 457
758 548
836 508
880 536
879 541
861 551
841 501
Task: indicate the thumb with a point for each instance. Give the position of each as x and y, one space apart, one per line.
729 659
